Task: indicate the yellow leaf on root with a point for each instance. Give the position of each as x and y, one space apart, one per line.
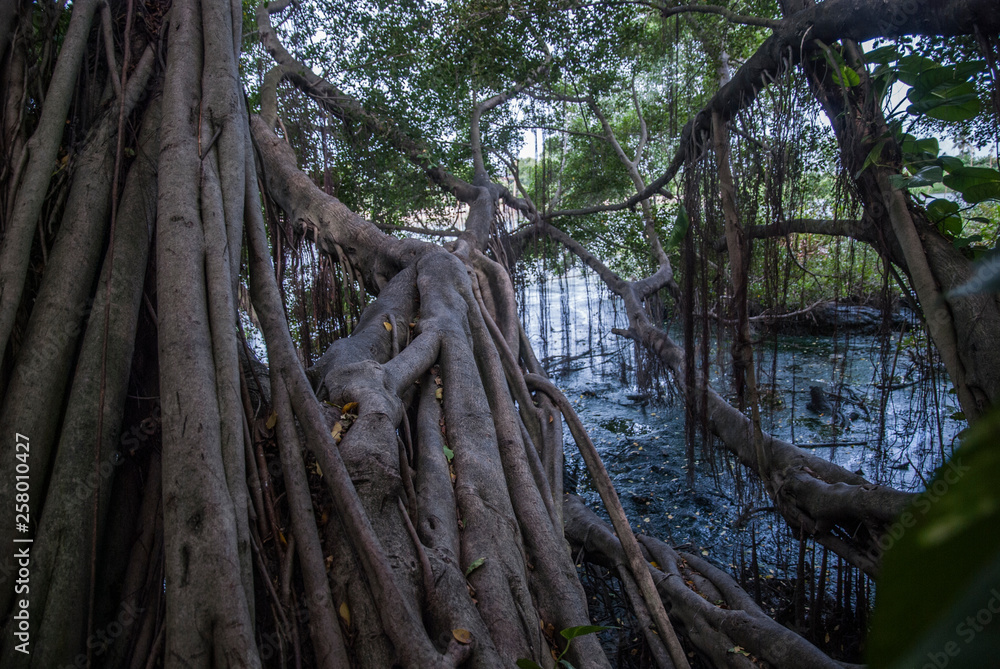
345 613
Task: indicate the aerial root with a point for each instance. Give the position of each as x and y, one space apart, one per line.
602 481
714 613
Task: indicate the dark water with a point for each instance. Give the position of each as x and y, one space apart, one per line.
640 433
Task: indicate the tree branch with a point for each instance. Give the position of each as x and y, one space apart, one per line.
346 108
575 133
389 227
493 102
828 22
851 228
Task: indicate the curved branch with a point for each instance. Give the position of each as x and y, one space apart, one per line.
493 102
481 196
333 225
714 611
346 108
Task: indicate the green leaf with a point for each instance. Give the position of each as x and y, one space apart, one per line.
873 156
951 226
963 242
944 214
476 564
527 664
910 68
943 92
933 77
846 76
680 230
449 454
950 163
927 147
975 183
582 630
928 176
897 181
965 70
940 208
961 108
883 55
949 532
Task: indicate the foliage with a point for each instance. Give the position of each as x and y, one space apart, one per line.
569 634
945 93
976 130
948 544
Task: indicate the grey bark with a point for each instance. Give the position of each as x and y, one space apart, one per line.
713 611
203 574
42 149
64 551
60 313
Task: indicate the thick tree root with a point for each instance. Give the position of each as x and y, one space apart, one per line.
708 606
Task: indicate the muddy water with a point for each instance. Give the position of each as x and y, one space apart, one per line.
640 433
